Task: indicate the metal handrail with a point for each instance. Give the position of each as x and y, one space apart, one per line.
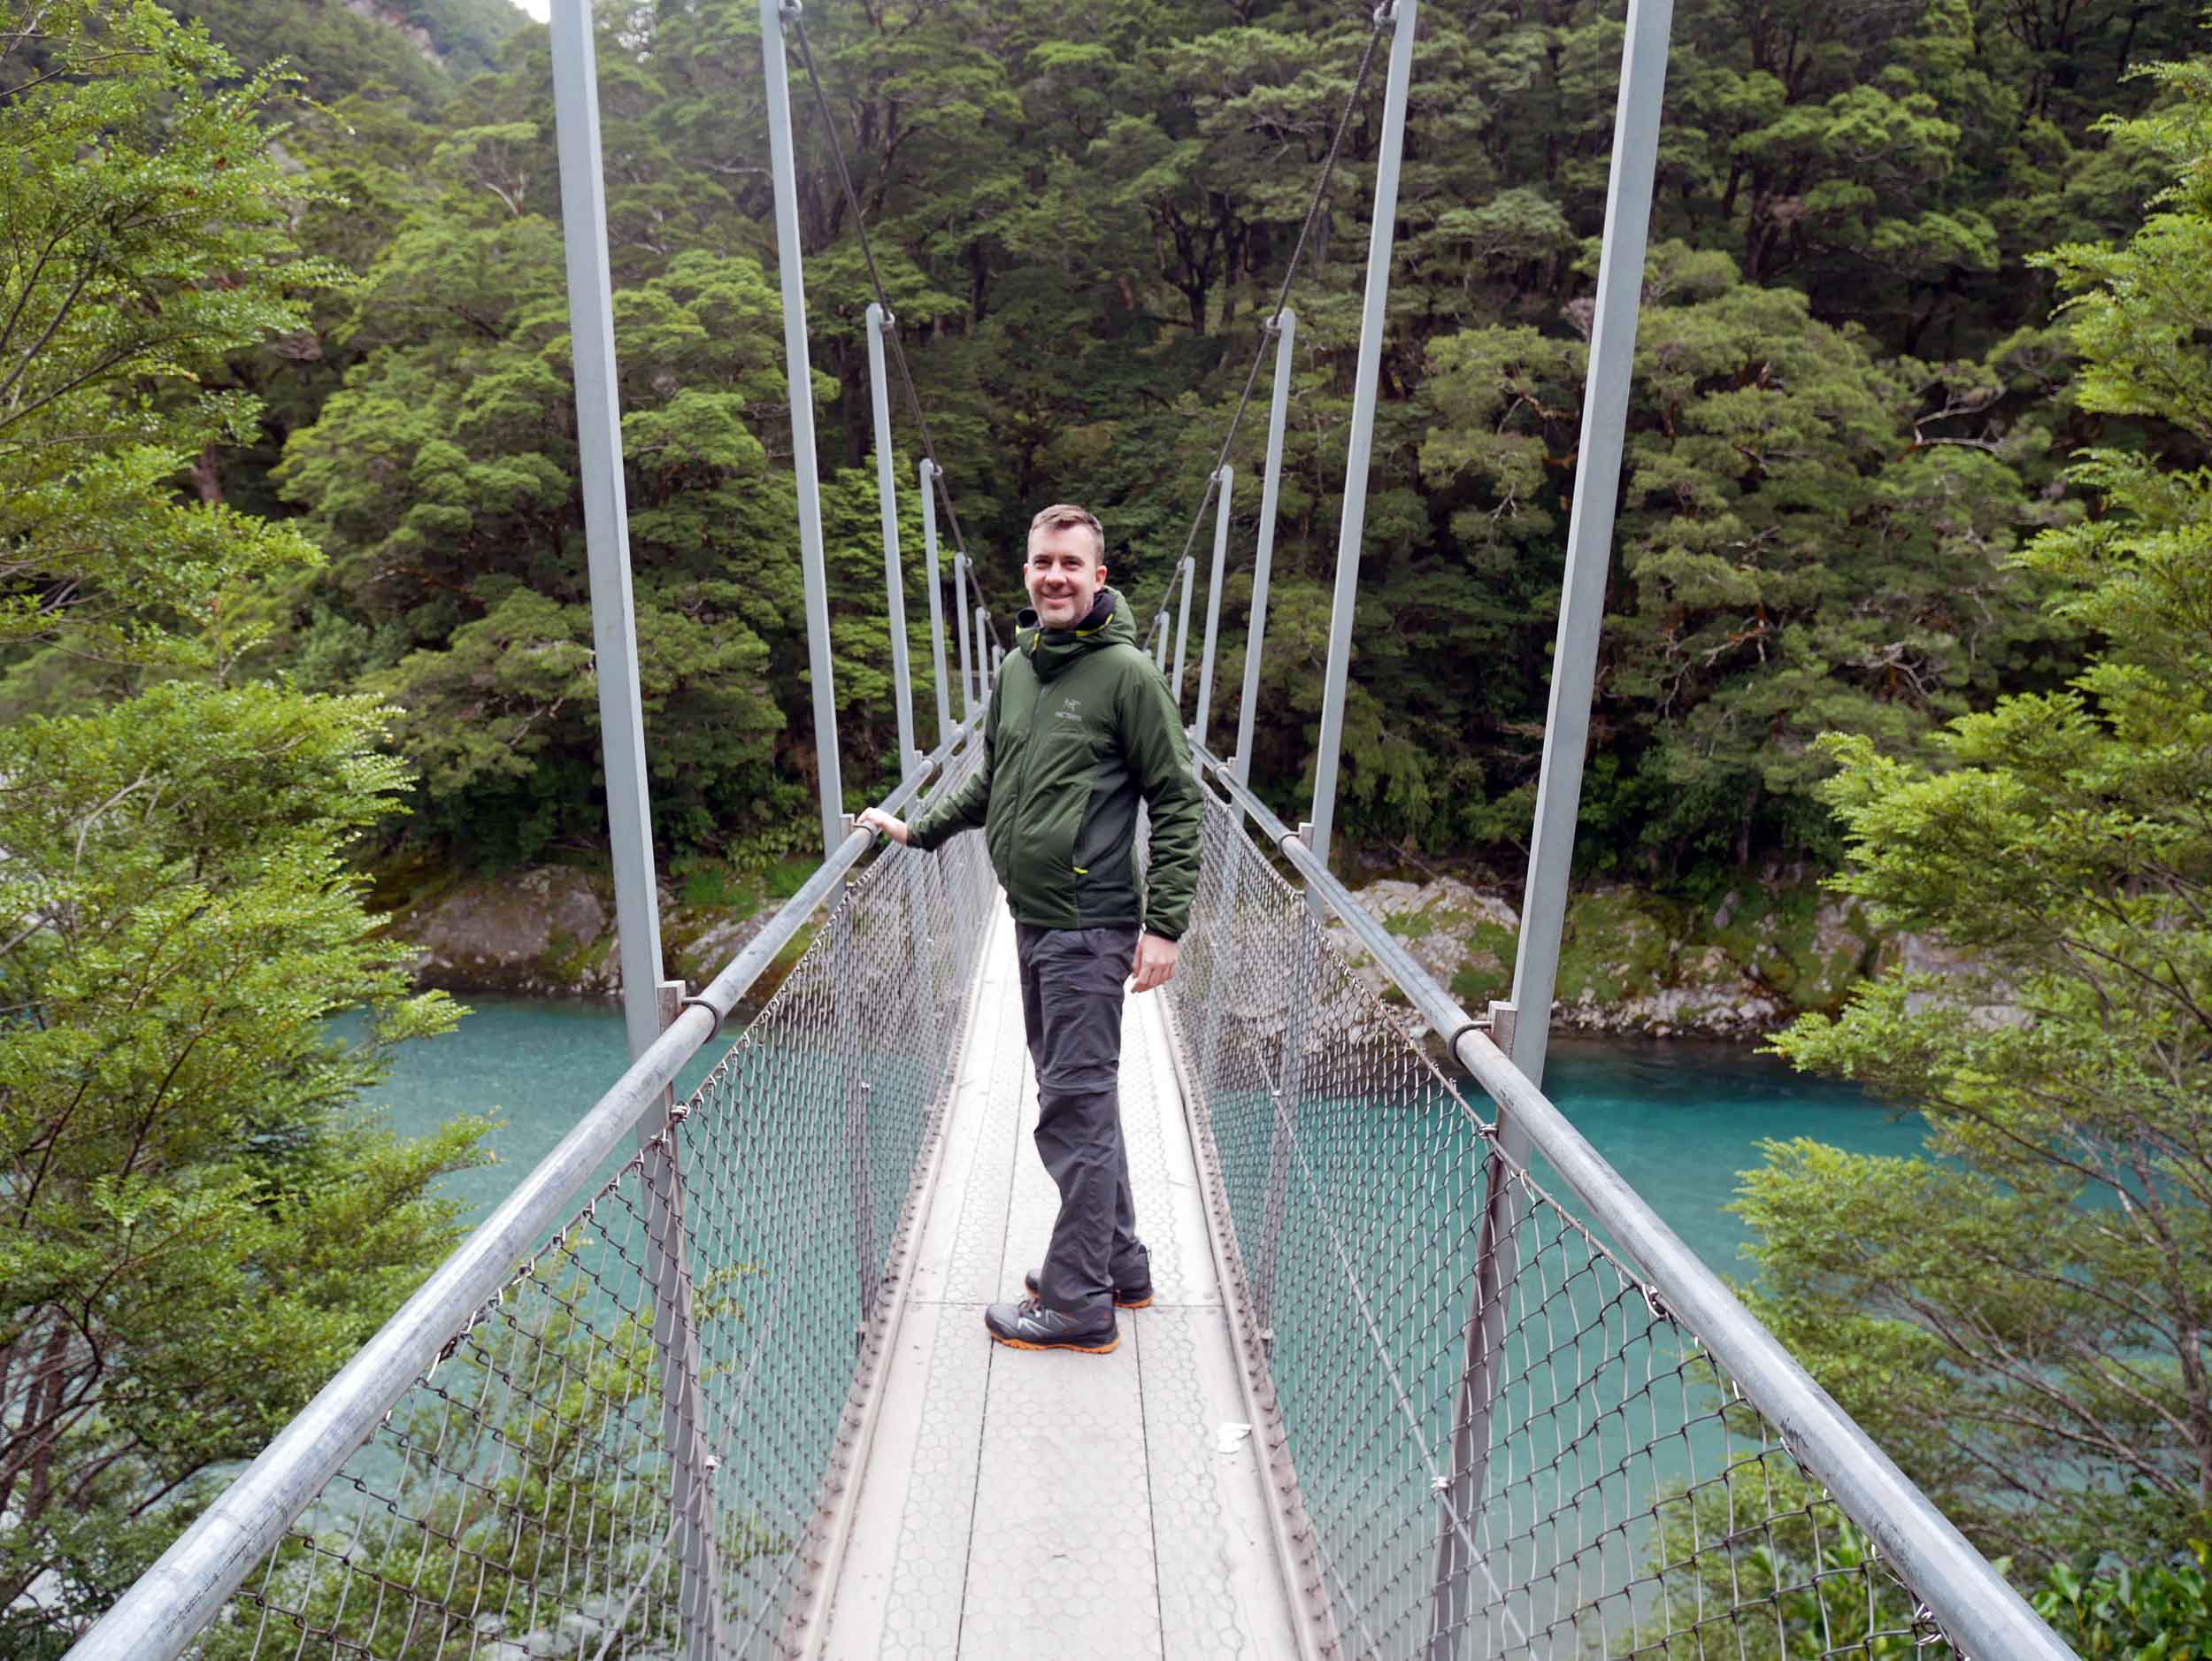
176 1598
1985 1619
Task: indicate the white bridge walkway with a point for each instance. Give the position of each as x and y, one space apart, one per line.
1049 1504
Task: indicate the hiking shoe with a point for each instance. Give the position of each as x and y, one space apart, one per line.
1125 1296
1029 1325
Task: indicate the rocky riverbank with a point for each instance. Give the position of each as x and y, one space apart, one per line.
548 931
1630 962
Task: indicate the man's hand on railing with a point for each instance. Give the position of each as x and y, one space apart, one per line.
1154 965
875 818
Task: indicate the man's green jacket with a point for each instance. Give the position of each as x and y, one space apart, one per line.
1081 725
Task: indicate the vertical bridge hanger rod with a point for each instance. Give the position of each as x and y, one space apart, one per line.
1523 1024
648 1003
894 577
936 603
1182 631
606 520
799 377
1401 18
1227 478
960 616
1286 326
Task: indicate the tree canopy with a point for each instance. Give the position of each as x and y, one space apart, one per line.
202 1220
1850 407
2021 1315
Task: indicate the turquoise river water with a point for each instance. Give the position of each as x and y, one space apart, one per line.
1679 1120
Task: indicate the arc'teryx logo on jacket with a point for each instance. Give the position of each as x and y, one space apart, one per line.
1080 727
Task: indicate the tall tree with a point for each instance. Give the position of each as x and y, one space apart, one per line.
200 1220
2023 1315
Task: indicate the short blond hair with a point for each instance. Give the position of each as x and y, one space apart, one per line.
1061 515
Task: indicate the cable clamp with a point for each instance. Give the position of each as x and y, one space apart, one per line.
1655 1303
699 1002
1925 1632
788 10
1385 14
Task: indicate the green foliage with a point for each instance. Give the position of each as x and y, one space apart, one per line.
132 174
540 1535
1847 415
2159 1612
451 513
1805 554
1762 1564
201 1225
1848 411
2016 1315
200 1222
416 50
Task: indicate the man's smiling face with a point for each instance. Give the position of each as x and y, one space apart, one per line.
1063 574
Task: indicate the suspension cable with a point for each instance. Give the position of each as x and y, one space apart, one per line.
1290 275
792 12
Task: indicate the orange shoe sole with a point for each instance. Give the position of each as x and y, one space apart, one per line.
1082 1350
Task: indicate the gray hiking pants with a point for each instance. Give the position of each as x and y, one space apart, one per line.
1071 995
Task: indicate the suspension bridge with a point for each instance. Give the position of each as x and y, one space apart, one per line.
1423 1375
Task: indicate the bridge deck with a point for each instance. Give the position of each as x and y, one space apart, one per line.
1024 1503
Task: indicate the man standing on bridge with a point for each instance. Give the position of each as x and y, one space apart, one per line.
1080 724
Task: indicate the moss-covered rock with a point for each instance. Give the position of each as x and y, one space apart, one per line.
549 930
1635 962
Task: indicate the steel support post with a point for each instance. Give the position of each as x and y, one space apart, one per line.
936 605
986 661
914 867
799 376
606 518
1590 528
1286 326
960 615
1559 785
851 1026
692 1464
1221 965
648 1003
1159 644
894 573
1403 14
1291 1076
1182 631
1224 483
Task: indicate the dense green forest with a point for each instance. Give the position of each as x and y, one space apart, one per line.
1910 584
1851 406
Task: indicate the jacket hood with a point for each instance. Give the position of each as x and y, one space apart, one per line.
1049 651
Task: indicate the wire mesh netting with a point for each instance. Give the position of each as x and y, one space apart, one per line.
1493 1439
631 1450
